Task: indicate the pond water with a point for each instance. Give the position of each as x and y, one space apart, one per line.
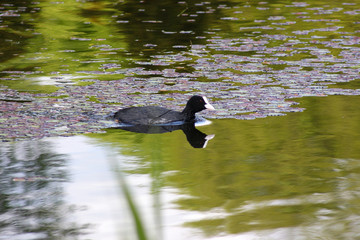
279 160
288 177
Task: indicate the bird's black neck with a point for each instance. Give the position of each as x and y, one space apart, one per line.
188 114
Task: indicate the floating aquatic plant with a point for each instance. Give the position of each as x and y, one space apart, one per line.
251 72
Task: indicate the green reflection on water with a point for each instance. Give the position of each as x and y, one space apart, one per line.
63 40
297 170
271 173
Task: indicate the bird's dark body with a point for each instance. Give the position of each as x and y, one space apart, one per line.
154 115
149 115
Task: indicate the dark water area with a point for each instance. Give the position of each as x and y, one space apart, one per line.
278 159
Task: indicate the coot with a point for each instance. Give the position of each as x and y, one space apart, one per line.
153 115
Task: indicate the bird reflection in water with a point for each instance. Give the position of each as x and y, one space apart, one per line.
196 138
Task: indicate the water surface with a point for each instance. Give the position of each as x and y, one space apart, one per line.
283 160
290 177
66 65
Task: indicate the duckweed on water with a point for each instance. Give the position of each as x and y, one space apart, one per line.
249 66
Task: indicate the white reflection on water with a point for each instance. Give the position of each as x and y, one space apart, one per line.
94 188
84 184
95 191
57 80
